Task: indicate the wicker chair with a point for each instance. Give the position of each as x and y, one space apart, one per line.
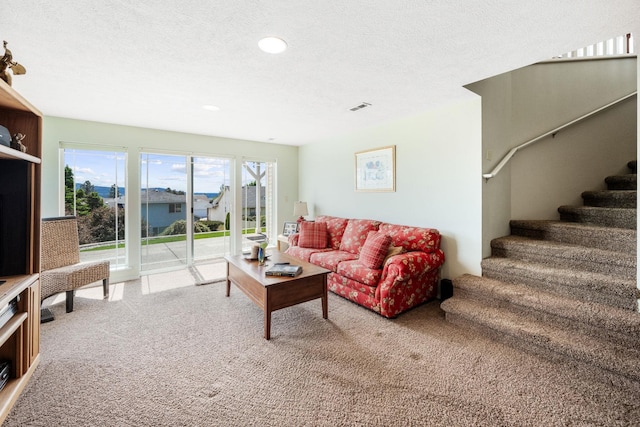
61 269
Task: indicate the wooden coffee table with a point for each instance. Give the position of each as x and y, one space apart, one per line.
272 293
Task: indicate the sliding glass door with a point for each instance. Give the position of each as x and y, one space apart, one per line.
164 205
186 210
211 216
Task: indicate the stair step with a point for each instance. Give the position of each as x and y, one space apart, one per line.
564 289
622 182
613 239
607 217
616 325
613 291
610 198
563 255
543 338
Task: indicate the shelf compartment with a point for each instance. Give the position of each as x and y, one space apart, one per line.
12 390
10 153
11 326
14 286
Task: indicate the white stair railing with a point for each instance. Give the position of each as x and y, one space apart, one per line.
552 132
621 45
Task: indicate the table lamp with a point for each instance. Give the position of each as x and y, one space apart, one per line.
300 209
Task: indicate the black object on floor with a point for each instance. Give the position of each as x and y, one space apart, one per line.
446 289
46 315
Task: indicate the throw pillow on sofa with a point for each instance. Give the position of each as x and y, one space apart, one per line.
313 235
356 234
335 229
375 249
393 251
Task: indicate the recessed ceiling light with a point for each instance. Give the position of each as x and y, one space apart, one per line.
272 45
211 108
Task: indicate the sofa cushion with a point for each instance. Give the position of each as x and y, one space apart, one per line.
412 238
354 291
303 253
335 229
356 234
313 235
375 249
358 273
331 259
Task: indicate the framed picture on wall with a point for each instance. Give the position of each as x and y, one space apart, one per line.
376 169
290 228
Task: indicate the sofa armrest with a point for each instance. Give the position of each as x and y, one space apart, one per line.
411 263
293 239
408 277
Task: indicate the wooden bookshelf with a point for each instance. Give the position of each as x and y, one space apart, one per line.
19 244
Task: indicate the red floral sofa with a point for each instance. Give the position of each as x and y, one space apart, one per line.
384 267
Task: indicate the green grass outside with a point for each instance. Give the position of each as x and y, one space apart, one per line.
168 239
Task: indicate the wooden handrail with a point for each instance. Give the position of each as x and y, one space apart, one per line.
514 150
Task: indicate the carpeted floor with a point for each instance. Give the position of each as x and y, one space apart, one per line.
158 355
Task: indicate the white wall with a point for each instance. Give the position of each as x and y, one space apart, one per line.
525 103
438 179
555 171
134 140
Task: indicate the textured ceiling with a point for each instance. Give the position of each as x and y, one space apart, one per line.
154 63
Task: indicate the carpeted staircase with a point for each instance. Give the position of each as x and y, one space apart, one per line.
565 289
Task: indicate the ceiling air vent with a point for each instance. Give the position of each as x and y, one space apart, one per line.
360 107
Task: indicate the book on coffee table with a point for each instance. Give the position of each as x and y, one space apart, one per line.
284 270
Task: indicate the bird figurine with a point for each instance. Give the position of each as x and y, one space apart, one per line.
16 142
7 62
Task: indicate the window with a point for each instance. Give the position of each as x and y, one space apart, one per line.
175 207
258 202
94 190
